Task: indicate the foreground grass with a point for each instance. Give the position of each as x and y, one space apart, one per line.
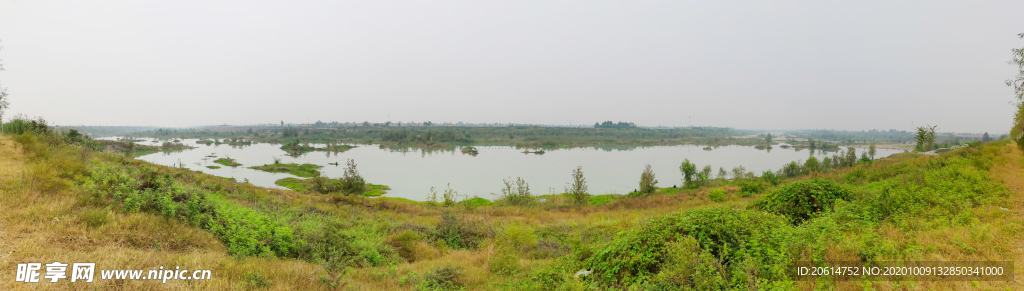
908 207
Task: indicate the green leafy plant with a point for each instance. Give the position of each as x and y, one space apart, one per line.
801 200
647 182
717 194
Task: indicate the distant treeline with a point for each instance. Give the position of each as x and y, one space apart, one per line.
621 134
609 124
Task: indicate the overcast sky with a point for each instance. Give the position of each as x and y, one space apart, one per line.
854 65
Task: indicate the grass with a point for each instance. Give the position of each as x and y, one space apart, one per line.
304 185
295 184
907 207
303 170
227 162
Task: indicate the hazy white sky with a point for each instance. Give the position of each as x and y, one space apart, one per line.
753 64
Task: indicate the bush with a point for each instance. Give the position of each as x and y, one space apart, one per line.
770 177
457 233
801 200
405 243
717 194
505 264
443 278
516 192
750 188
733 236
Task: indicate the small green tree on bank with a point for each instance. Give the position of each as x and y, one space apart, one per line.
926 138
578 190
689 171
871 151
351 181
647 181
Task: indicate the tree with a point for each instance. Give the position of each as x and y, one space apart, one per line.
689 171
722 174
705 175
811 165
129 151
926 138
351 181
985 137
871 151
578 189
4 103
1017 131
810 143
738 172
851 156
647 181
768 138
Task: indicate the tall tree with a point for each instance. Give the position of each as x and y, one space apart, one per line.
871 151
768 138
3 96
1018 92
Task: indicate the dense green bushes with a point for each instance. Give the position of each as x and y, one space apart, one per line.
727 237
259 230
801 200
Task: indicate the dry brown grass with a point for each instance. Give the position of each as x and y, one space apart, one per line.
45 227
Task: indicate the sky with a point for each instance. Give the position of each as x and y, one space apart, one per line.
845 65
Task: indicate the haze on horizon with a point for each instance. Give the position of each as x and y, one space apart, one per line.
855 65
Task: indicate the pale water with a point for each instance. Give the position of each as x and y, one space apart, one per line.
410 174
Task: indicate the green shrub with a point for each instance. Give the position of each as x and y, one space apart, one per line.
443 278
505 264
460 234
730 235
516 192
404 243
520 238
717 194
770 177
801 200
749 188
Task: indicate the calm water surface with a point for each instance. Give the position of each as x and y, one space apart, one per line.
410 174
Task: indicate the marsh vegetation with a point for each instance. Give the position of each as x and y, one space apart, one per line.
720 230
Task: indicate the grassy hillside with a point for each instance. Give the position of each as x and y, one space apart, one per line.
65 200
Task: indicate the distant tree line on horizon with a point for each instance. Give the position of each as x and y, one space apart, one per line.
610 124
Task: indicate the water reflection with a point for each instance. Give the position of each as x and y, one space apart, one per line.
411 172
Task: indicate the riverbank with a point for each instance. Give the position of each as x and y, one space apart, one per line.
391 243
